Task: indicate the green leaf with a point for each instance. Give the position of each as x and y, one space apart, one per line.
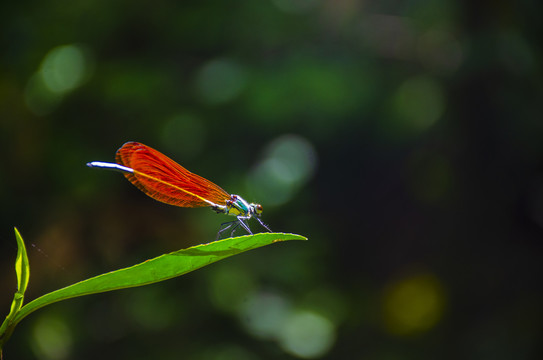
22 267
160 268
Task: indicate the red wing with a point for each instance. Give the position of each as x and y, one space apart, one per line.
165 180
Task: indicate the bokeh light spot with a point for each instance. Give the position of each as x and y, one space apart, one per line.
51 338
220 81
64 68
419 102
266 185
303 333
307 335
297 156
290 161
413 305
264 313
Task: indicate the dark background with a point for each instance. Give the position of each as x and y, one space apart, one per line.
403 138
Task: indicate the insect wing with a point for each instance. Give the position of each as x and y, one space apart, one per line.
165 180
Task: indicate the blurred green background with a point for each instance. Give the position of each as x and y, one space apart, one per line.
404 138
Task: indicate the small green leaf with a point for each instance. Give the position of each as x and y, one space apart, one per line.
22 267
158 269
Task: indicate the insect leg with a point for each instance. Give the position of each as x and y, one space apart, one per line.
234 229
225 226
262 223
242 221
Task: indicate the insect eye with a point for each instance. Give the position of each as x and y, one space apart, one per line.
258 208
